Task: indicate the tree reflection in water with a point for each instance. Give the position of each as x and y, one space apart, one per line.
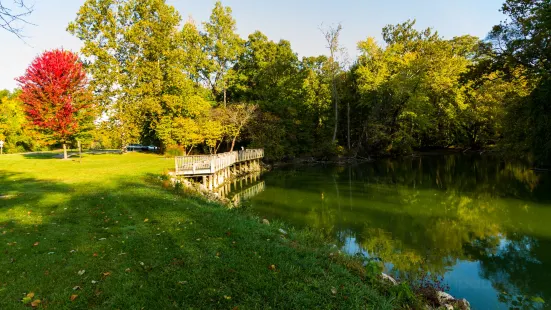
423 215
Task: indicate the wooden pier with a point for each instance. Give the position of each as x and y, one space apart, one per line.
216 169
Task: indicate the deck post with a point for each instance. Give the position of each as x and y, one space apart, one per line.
205 181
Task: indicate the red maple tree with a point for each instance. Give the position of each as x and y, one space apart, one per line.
55 94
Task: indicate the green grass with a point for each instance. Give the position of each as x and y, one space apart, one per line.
143 247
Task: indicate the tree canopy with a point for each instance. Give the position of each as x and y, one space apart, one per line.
200 87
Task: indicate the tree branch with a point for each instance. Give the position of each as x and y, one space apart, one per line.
13 18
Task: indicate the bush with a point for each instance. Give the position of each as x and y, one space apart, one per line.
174 150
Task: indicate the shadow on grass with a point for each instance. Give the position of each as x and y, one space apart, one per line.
17 190
140 246
41 155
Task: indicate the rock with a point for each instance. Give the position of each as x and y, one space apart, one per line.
463 304
388 278
444 298
265 222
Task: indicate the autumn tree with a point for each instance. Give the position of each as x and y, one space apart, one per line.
54 91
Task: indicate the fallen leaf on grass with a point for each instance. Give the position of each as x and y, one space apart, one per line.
227 297
333 291
95 254
73 297
35 303
146 220
127 270
106 274
76 288
272 267
81 272
36 243
30 295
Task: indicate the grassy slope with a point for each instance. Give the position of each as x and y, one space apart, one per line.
148 248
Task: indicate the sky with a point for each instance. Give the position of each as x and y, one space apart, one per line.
297 21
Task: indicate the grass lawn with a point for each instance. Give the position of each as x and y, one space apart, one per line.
101 234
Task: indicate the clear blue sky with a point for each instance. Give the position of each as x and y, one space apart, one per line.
295 20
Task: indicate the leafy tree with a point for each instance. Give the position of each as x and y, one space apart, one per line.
223 46
411 89
54 91
15 131
187 133
213 132
521 44
235 117
135 56
331 35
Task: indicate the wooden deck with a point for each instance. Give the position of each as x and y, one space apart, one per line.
215 169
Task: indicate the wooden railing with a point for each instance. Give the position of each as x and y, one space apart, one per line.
250 154
209 164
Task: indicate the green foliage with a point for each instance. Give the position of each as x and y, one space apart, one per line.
16 132
521 49
175 150
222 47
159 83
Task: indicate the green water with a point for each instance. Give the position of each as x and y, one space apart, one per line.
482 224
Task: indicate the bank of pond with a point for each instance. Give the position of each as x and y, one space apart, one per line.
474 224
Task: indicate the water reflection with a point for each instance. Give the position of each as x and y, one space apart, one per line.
437 214
242 188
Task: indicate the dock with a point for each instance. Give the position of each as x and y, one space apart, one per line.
216 169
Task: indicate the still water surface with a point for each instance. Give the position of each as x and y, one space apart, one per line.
482 224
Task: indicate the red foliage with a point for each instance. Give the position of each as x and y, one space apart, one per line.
54 92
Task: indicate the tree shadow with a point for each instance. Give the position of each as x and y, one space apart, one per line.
41 155
15 189
138 245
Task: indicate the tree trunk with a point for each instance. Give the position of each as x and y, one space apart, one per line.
64 151
336 100
348 122
224 89
233 143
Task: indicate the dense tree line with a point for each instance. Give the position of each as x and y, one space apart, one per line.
203 88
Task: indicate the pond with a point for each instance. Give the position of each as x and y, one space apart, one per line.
481 224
